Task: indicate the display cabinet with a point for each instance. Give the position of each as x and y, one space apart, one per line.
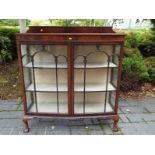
70 72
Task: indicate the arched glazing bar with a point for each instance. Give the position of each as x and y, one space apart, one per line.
57 87
56 61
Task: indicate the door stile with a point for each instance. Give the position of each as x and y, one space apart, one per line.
70 80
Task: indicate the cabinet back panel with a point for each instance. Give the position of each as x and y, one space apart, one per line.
48 76
92 76
97 57
47 102
93 97
52 97
94 102
45 56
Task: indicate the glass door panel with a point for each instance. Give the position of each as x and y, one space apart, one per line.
46 79
95 78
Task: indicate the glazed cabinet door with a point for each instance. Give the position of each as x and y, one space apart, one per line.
45 71
95 78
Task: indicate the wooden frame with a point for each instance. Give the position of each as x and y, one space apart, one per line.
71 37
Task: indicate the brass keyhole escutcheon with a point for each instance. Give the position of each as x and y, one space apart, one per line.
70 38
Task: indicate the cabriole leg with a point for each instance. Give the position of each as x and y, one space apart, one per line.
115 125
26 125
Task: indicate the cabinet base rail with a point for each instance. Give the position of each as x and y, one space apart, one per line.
26 118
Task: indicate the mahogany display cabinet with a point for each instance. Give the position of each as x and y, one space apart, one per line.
70 72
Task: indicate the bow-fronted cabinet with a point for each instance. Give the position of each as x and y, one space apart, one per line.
70 72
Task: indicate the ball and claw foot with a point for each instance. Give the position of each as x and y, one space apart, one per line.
115 128
26 130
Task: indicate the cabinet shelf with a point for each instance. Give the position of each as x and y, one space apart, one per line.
78 87
47 87
91 107
49 107
94 65
89 87
46 65
76 66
